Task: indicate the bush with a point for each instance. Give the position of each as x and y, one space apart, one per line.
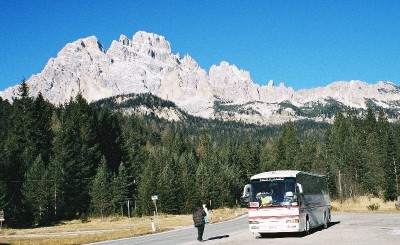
84 218
373 207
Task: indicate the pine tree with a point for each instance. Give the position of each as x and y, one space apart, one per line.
246 158
203 182
267 158
18 156
389 155
278 155
5 124
133 134
392 168
227 163
58 182
43 132
66 164
120 188
3 201
370 124
286 149
291 146
356 168
368 145
204 174
100 193
36 191
187 166
168 189
147 186
231 187
110 139
79 154
374 172
336 153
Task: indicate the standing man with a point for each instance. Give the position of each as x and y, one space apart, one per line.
199 222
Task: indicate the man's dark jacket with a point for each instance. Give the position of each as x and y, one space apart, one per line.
198 217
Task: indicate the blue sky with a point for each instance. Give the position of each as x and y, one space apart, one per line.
305 44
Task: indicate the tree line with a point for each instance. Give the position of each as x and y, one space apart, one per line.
79 159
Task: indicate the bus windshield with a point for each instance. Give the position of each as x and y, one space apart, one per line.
273 192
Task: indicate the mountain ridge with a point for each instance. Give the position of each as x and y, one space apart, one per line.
146 64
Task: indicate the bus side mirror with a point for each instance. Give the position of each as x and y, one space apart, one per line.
244 199
299 188
246 190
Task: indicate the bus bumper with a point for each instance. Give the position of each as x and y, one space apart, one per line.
274 227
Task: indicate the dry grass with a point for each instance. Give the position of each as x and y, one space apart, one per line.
364 204
97 229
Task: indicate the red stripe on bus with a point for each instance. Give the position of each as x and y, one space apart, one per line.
274 217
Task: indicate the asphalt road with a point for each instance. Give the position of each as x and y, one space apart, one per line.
188 235
345 228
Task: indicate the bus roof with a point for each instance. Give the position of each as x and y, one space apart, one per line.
276 174
281 174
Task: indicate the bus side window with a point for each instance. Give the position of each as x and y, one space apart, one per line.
299 191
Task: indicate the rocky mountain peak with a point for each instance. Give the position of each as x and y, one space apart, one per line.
229 75
188 61
146 64
92 43
232 84
89 44
124 40
151 44
270 84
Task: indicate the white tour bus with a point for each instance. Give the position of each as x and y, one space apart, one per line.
287 201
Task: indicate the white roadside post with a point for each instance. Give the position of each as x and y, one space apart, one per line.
129 213
153 227
1 219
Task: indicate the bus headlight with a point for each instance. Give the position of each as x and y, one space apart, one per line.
293 221
252 222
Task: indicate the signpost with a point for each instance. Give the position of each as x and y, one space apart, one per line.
155 198
1 218
129 213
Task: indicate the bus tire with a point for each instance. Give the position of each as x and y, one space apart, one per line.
307 228
326 220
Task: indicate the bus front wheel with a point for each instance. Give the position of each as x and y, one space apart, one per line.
307 228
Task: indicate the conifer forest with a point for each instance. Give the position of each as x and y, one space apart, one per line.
80 159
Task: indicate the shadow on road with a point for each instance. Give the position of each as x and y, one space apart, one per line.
334 223
217 237
294 234
279 235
